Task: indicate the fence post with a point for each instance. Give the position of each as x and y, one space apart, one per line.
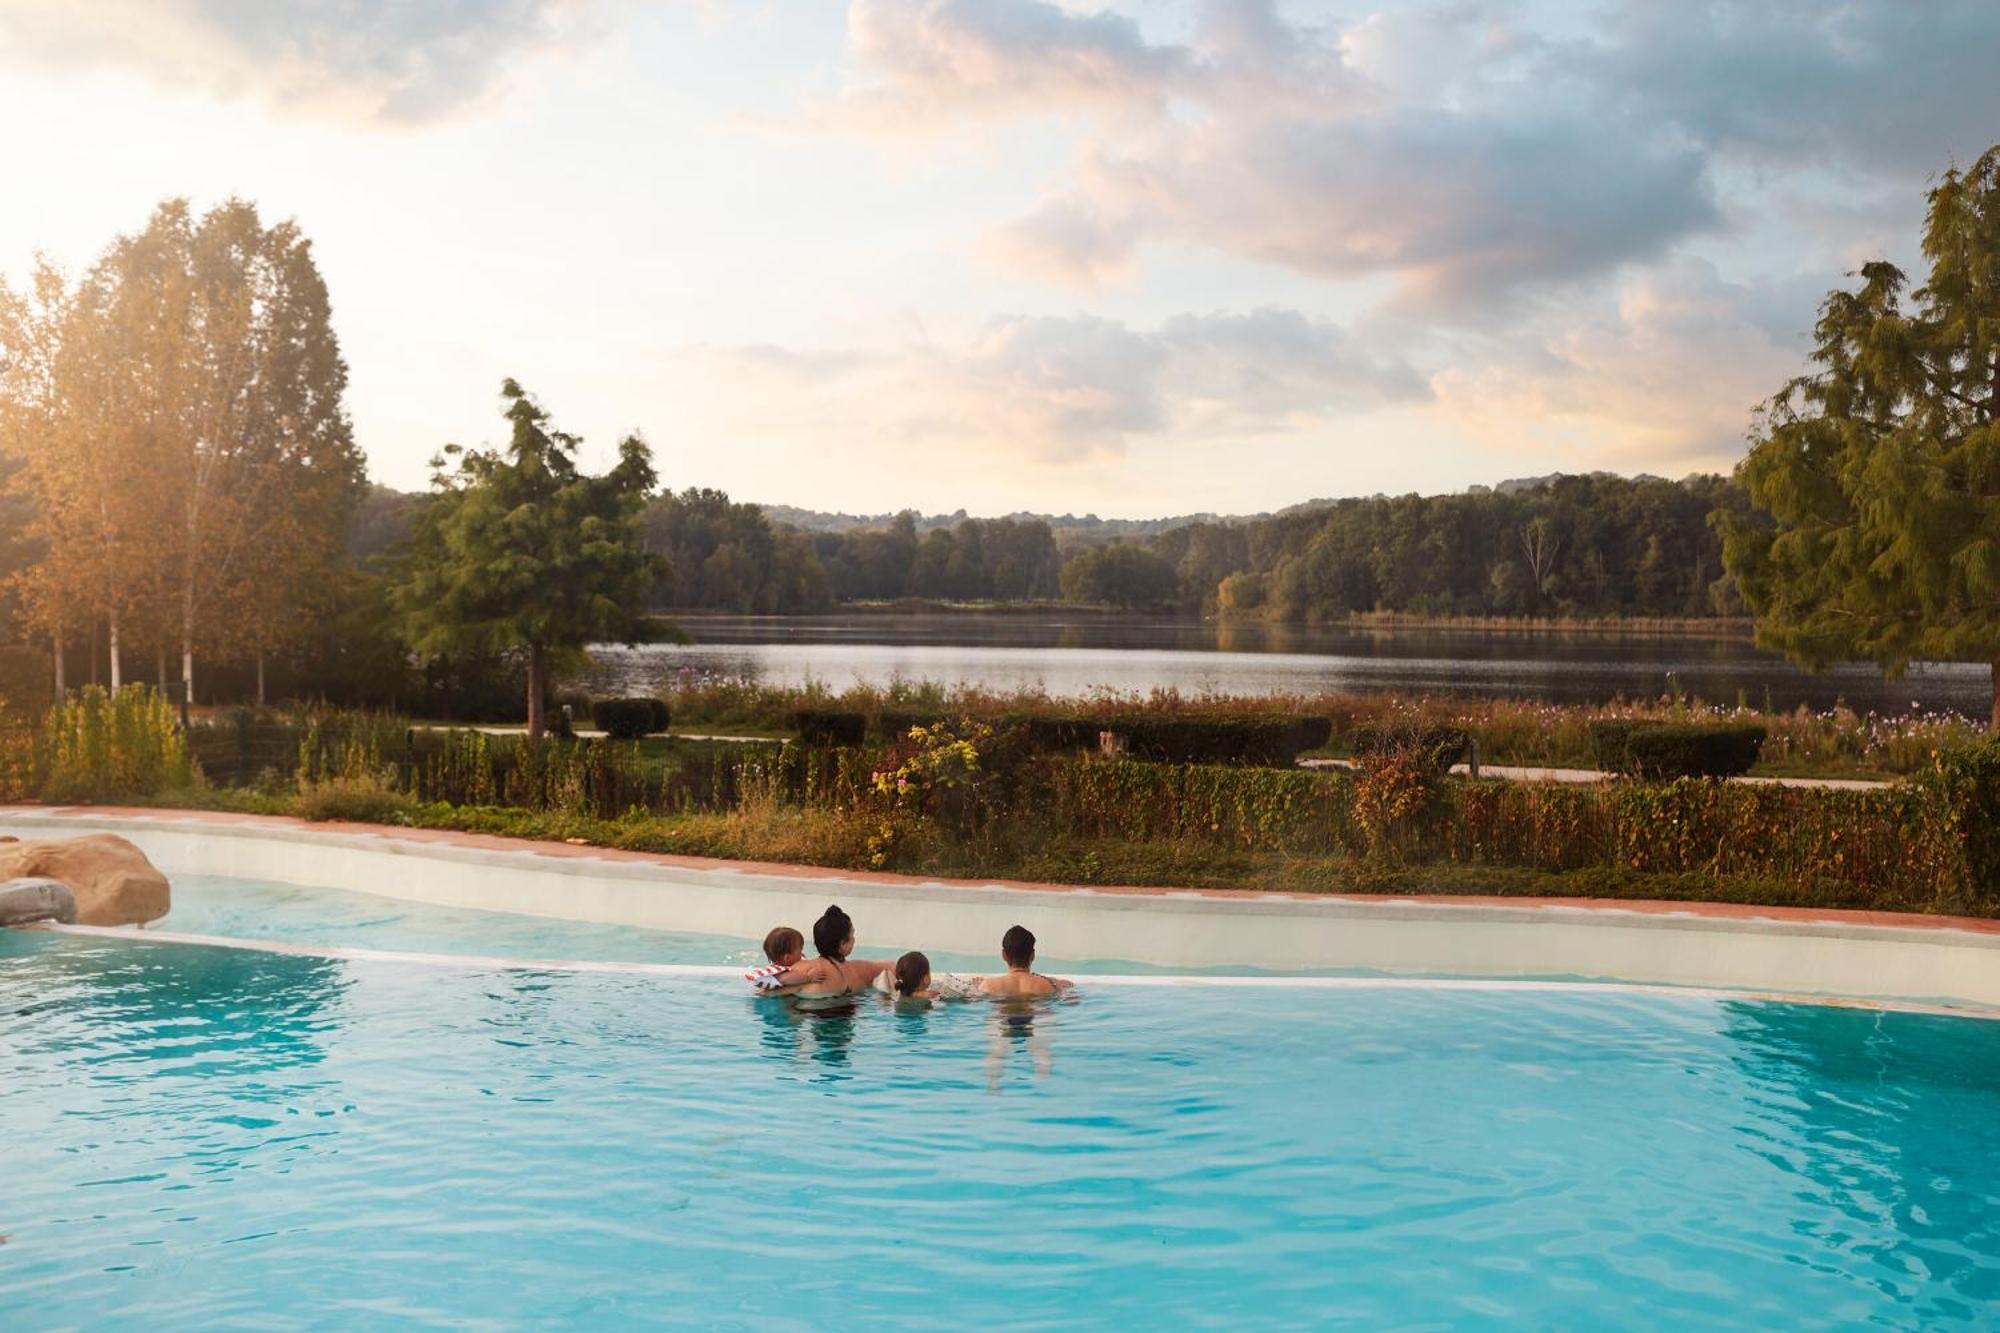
1472 758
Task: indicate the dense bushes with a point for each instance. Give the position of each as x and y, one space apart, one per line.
1431 748
978 799
1177 738
825 726
629 719
1677 750
96 746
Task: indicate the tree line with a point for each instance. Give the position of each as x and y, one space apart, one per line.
179 481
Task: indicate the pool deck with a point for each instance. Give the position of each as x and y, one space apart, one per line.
1860 954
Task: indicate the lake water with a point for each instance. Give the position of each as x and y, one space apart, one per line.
1077 654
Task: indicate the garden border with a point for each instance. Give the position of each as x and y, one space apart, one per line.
1859 954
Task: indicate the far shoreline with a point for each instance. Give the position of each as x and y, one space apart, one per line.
1724 627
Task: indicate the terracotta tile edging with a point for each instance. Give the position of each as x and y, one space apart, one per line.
1717 911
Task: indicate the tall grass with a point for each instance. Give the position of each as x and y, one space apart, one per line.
98 746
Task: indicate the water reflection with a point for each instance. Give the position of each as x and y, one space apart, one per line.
1888 1120
178 1010
1078 653
1019 1031
820 1034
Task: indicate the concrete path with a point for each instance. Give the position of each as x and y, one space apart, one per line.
1585 776
1505 772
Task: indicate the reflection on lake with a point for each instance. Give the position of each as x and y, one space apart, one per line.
1069 655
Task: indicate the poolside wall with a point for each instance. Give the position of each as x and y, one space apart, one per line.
1865 955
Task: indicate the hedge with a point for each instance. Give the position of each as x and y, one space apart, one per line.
821 726
1271 742
629 719
1676 750
1433 749
1929 844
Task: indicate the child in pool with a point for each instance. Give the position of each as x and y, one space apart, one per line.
915 982
784 947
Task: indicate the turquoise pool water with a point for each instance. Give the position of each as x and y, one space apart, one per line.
288 914
207 1138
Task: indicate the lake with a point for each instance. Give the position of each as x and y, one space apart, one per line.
1080 653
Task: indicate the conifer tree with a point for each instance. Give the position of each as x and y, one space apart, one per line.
1878 473
519 551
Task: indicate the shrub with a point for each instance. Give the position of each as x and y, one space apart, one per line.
893 724
96 746
1269 742
1425 749
1677 750
370 798
629 719
823 726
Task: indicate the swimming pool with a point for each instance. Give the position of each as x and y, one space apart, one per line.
199 1137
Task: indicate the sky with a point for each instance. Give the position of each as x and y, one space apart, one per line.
1134 259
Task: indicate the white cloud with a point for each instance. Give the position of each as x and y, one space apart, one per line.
1055 391
375 61
1666 378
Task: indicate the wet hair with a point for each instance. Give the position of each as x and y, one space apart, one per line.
781 941
831 931
912 969
1017 946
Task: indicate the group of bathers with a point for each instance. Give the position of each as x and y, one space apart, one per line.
835 972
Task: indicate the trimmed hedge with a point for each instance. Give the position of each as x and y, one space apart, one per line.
824 726
1433 749
1676 750
629 719
1265 742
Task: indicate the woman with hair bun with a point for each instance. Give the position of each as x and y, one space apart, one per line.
834 972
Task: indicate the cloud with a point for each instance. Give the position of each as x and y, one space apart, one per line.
1666 377
1475 150
375 61
1416 145
1058 390
920 65
1884 85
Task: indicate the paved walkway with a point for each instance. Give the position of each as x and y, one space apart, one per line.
1505 772
1585 776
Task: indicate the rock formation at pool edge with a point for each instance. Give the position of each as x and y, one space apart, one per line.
114 883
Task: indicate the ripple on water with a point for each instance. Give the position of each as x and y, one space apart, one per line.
202 1136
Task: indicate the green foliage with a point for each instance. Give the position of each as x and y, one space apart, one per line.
369 798
1429 748
823 726
1130 578
1652 749
518 550
97 746
1878 472
629 719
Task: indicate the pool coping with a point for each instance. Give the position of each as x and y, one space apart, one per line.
1834 952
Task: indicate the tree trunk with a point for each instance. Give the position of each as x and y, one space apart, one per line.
93 652
117 665
537 724
187 672
160 662
62 684
260 677
1996 695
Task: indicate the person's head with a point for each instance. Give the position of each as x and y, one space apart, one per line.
833 933
784 946
1017 946
913 973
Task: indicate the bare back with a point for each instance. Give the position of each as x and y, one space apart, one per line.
1022 983
834 976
